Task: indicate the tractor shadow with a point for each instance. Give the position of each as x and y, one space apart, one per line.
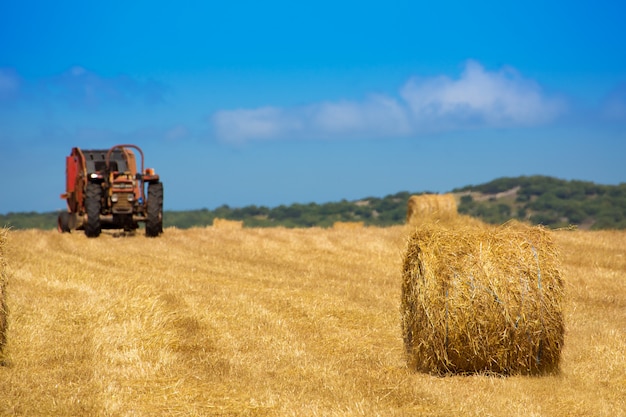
122 234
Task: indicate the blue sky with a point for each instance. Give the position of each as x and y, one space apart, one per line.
280 102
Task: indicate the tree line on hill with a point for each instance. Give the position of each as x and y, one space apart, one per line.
542 200
548 201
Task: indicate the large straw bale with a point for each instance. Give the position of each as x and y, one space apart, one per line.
479 298
425 207
227 224
3 286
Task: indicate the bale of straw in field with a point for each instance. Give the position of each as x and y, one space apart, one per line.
348 225
427 206
478 298
227 224
3 284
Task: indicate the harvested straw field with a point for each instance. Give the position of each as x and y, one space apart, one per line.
3 285
478 298
227 224
348 225
274 322
426 207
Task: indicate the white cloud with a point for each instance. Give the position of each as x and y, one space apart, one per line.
263 123
478 98
378 115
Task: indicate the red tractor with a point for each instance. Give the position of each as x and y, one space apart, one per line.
104 190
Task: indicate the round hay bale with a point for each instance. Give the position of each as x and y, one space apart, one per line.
478 298
428 206
3 283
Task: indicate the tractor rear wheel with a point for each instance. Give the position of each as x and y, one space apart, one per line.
154 222
93 203
63 222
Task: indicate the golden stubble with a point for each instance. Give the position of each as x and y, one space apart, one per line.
275 322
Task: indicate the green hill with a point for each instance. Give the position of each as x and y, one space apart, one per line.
536 199
548 201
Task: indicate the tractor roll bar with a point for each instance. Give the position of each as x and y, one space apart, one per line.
108 157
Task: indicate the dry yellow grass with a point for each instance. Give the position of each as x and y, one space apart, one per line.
227 224
3 285
348 225
274 322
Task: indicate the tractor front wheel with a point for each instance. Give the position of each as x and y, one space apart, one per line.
93 204
154 222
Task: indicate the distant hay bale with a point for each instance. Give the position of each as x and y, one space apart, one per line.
479 298
3 285
428 206
348 225
227 224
